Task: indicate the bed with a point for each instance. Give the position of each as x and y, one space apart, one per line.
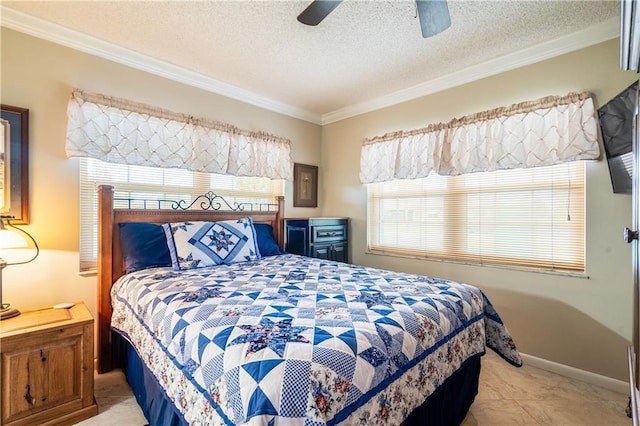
270 338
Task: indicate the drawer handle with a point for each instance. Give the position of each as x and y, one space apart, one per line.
329 234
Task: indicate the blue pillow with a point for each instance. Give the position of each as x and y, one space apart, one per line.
266 243
144 245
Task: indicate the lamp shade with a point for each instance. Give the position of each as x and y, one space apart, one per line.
11 239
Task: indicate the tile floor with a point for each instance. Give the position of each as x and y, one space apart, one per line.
508 396
531 396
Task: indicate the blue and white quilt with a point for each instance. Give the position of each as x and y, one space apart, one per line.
292 340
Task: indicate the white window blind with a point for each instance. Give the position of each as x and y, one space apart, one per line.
523 217
143 184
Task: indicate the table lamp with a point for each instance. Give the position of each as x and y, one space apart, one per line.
12 237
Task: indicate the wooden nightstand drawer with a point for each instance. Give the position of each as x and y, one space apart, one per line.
327 233
46 367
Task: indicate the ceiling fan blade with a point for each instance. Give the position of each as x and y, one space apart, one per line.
317 11
434 16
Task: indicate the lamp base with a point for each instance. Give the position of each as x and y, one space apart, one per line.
8 313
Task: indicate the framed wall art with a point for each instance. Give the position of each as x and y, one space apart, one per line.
305 185
14 163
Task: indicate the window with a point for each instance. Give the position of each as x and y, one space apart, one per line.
522 217
152 183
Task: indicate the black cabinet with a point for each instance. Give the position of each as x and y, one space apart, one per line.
324 238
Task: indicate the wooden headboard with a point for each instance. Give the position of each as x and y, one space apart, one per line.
110 262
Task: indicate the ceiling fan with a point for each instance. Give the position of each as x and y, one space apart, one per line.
433 14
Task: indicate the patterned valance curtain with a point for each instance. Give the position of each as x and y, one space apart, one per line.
544 132
120 131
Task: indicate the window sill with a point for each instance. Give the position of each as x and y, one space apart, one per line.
580 275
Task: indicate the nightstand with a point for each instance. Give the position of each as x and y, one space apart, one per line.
46 367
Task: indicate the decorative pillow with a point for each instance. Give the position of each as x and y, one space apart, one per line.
144 245
202 244
266 243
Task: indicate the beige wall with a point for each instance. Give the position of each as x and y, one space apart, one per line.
40 76
580 322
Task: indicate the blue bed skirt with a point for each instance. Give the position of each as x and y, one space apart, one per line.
153 401
447 406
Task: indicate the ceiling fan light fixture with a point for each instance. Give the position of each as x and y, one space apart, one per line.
434 16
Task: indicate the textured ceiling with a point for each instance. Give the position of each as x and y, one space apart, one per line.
363 51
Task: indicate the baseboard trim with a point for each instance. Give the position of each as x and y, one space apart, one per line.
576 373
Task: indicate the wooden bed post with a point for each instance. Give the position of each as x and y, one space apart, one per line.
278 227
105 276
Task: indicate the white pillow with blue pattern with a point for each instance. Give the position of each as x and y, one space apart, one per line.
202 244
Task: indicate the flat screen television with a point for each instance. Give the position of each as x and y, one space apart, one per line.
616 123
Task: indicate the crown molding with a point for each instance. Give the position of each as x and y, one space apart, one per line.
599 33
58 34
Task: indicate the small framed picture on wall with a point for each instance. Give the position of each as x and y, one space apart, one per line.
14 163
305 185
